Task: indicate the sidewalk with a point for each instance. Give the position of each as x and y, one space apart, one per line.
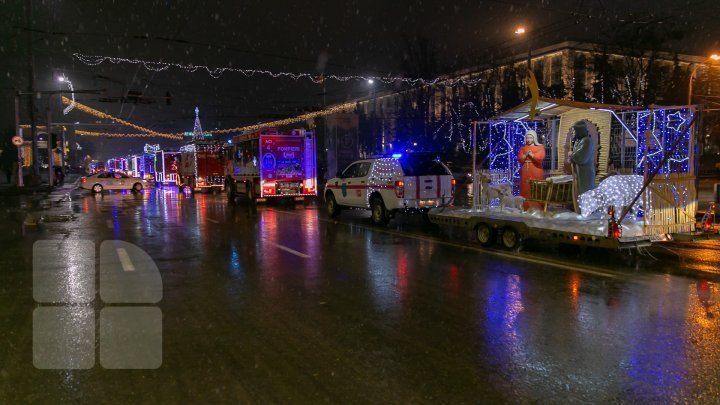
12 190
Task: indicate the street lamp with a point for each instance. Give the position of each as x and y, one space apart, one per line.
712 58
520 30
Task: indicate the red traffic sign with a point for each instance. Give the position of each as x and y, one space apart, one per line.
16 140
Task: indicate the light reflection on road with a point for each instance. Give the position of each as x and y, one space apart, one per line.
404 306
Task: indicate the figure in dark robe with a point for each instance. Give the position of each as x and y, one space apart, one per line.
583 159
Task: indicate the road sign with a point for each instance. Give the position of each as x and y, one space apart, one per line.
17 141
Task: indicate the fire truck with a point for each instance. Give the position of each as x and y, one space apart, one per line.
269 165
202 166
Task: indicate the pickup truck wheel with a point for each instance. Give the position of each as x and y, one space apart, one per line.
97 189
510 238
333 209
486 235
379 214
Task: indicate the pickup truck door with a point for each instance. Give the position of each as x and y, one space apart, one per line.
358 190
353 185
343 185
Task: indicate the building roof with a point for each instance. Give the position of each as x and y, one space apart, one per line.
550 107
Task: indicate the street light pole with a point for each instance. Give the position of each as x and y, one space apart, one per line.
50 146
524 31
20 147
711 58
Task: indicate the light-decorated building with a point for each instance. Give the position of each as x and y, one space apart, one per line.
438 116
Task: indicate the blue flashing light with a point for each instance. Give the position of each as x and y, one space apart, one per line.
230 141
397 155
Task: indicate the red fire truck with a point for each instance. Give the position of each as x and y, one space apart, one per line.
202 166
264 165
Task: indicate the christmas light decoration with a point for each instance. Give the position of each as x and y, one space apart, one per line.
122 135
197 128
70 107
103 115
505 140
288 121
151 149
459 128
657 131
617 191
216 72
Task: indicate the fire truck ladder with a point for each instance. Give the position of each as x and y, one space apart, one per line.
708 220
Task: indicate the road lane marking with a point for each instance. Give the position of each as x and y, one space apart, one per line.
214 221
506 255
109 224
125 261
287 249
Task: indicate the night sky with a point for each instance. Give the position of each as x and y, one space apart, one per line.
340 37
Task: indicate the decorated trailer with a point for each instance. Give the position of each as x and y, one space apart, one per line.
167 166
264 165
202 166
585 174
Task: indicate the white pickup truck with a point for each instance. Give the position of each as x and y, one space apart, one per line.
409 184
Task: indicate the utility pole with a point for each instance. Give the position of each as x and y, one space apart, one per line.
31 83
17 133
50 146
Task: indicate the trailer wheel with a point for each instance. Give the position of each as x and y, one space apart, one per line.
486 235
510 238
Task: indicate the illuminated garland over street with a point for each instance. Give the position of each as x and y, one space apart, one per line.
99 114
146 132
179 135
216 72
287 121
122 135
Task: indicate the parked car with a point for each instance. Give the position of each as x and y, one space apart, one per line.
409 184
112 181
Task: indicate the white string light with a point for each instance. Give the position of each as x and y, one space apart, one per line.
618 191
216 72
70 107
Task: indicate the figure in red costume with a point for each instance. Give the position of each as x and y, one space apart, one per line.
531 156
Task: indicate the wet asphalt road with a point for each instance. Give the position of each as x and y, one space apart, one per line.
278 304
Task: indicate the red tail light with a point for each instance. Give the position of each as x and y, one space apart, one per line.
83 180
400 189
614 230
